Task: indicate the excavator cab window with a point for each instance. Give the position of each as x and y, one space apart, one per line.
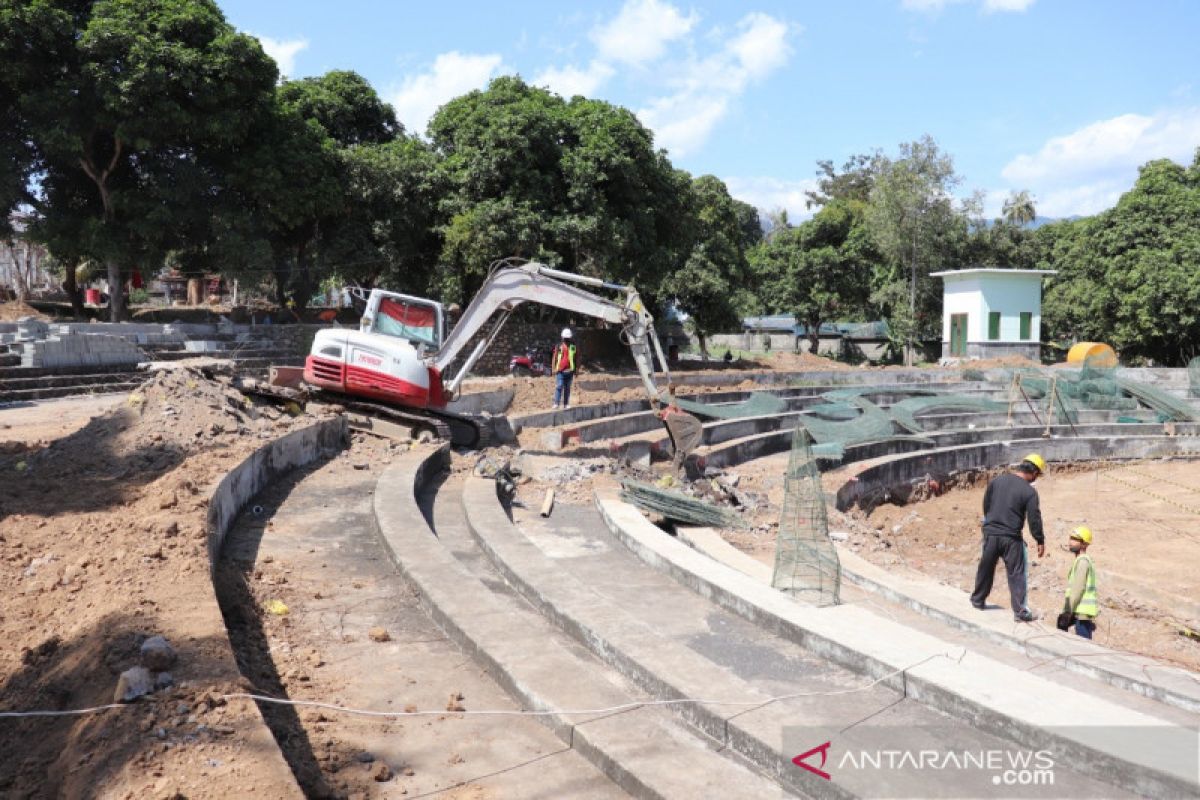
416 322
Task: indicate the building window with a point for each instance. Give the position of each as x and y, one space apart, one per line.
993 325
1026 325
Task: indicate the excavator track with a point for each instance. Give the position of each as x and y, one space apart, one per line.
461 431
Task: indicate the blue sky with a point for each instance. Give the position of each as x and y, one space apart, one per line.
1064 98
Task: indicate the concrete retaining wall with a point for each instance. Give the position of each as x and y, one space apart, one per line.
904 468
267 464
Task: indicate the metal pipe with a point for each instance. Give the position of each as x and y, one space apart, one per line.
584 279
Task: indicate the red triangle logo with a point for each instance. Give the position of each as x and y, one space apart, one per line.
823 749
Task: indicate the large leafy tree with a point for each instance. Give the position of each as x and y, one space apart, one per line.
820 270
126 106
386 233
854 182
577 184
335 190
1130 276
345 106
710 283
915 223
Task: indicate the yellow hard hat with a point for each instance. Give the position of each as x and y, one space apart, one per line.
1083 533
1037 461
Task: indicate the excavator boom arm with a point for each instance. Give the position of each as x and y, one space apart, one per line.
507 288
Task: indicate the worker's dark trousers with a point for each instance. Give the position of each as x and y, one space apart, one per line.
1012 550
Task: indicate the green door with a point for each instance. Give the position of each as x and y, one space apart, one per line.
958 334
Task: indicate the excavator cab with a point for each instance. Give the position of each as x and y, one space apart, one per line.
415 319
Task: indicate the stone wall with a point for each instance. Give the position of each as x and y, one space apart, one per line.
593 345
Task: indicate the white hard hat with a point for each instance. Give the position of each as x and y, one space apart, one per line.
566 334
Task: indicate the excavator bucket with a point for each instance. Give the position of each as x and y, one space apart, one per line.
685 432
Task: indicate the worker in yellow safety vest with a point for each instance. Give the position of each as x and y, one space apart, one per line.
562 363
1081 606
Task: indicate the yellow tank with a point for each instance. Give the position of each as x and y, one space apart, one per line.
1096 354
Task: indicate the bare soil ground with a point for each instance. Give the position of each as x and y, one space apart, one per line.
34 425
102 544
14 310
1147 548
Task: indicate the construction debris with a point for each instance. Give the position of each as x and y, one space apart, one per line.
677 506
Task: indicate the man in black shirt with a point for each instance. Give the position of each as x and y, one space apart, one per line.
1010 500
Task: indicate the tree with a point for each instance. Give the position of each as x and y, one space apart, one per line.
708 283
387 232
25 259
913 219
821 269
299 204
1006 242
575 184
128 100
1019 210
854 182
345 106
1130 276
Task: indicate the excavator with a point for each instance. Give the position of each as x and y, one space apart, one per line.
399 362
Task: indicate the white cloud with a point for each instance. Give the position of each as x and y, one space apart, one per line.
989 6
451 75
284 52
570 81
761 46
1086 171
704 88
641 31
683 122
926 5
770 194
992 6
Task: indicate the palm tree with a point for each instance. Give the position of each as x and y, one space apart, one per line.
1019 210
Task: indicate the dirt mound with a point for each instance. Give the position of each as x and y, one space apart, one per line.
103 544
14 310
1020 362
803 362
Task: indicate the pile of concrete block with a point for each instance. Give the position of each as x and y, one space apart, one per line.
78 350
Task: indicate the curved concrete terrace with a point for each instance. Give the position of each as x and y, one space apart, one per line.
985 693
964 441
675 644
589 707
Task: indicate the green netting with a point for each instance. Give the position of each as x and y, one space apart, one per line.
837 412
758 404
1193 369
1175 408
868 424
806 561
906 411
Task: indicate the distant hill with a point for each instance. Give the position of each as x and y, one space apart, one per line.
1040 221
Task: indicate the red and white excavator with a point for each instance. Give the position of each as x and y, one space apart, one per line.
399 358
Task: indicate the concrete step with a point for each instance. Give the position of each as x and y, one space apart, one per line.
1112 742
1160 690
776 696
67 381
642 748
84 369
26 395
